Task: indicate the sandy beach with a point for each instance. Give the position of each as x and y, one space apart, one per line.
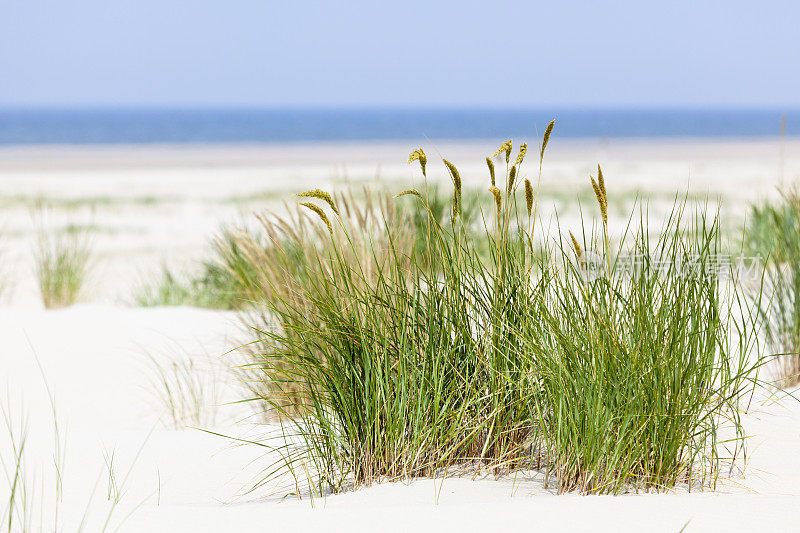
147 206
187 480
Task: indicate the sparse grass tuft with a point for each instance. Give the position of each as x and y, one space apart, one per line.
34 491
62 265
186 389
773 233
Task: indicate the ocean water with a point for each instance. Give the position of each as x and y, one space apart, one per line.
25 127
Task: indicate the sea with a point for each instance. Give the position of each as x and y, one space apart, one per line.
175 126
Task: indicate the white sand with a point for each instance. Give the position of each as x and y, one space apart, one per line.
93 358
185 480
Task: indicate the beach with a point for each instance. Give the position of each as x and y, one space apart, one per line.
94 358
399 266
147 206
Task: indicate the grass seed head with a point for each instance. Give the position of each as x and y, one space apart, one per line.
601 183
505 147
601 200
320 195
546 138
529 195
491 169
455 175
419 155
576 245
406 192
523 149
512 176
498 197
320 213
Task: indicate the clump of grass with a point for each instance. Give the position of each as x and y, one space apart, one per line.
212 288
387 364
62 264
223 282
168 289
773 233
639 356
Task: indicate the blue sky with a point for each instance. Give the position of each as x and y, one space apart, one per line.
189 53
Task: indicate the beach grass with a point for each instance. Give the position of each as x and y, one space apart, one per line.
208 289
18 509
34 493
232 277
185 389
389 359
773 233
641 353
274 264
216 284
62 265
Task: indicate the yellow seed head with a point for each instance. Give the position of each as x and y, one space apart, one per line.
529 195
406 192
576 246
320 213
491 169
523 149
505 147
320 195
419 155
498 197
512 176
602 184
546 138
598 193
455 175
